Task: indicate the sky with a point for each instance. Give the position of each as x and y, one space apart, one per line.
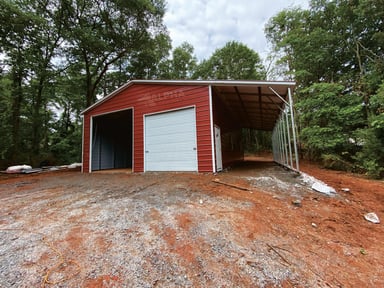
210 24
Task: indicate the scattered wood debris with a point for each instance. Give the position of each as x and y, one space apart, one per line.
231 185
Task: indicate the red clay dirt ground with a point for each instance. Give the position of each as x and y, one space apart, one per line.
67 229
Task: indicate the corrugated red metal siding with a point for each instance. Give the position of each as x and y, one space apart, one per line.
147 99
231 142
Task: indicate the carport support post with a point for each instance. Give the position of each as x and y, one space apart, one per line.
293 128
277 148
282 137
289 139
274 144
281 130
285 139
277 136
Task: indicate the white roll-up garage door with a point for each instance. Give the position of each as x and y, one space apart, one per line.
170 141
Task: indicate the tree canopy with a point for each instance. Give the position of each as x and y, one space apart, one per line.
235 61
58 56
181 65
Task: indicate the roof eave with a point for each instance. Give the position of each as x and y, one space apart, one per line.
190 82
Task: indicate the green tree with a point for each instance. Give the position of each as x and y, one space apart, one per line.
369 45
44 49
59 57
333 42
235 61
18 31
100 33
5 125
371 157
329 116
183 63
285 31
146 62
66 125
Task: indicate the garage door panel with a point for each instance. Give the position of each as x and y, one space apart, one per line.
165 127
165 139
171 147
170 156
158 135
163 122
170 141
173 164
159 167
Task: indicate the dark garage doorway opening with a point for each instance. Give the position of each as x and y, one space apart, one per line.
112 141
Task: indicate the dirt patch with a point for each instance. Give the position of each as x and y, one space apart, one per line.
67 229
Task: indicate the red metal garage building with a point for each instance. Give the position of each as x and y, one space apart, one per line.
159 125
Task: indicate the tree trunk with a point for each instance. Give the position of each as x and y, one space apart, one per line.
37 119
17 98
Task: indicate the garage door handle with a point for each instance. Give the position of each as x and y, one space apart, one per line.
194 148
146 151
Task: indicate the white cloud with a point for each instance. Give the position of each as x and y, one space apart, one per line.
210 24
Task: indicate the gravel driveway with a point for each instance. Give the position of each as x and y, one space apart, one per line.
67 229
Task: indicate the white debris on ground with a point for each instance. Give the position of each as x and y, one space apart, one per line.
289 182
317 185
27 169
323 188
18 168
268 181
372 217
75 165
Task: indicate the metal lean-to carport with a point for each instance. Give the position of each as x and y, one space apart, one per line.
264 106
114 127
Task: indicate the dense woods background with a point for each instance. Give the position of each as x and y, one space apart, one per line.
59 56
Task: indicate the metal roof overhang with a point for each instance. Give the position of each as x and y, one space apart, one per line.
255 104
